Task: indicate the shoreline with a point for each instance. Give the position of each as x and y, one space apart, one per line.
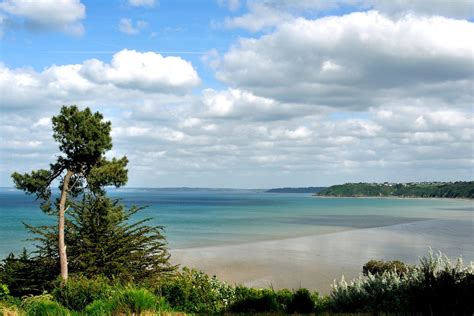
393 198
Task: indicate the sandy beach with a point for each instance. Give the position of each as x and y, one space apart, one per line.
315 261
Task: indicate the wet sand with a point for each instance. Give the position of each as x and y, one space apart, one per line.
315 261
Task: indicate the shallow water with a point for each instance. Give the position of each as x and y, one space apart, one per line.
208 218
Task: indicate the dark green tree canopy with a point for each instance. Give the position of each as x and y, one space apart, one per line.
84 138
103 239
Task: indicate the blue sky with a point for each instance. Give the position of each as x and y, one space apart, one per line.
228 93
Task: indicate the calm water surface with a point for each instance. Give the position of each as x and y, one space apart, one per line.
207 218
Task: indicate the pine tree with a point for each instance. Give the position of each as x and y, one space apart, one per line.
103 241
83 139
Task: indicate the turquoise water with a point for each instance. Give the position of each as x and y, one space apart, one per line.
203 218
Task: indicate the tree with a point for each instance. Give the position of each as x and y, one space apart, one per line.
83 139
104 241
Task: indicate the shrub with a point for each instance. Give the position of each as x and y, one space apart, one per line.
193 291
442 286
250 300
380 266
135 301
99 308
43 305
79 291
4 291
434 286
128 301
301 302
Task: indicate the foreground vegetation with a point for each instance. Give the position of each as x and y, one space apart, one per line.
460 189
435 286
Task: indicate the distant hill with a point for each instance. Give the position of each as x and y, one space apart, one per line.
460 189
297 190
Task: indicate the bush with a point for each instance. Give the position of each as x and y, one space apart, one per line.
4 291
43 305
380 266
435 286
99 308
249 300
301 302
134 301
193 291
79 291
128 301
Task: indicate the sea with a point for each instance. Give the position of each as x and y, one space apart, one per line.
204 217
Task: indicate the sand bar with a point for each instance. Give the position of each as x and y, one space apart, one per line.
314 261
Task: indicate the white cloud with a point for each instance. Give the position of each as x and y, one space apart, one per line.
126 26
354 61
363 97
455 9
60 15
147 71
129 75
260 17
142 3
264 14
241 104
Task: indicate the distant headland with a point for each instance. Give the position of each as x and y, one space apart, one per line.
458 189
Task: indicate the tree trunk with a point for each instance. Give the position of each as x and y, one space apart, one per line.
61 243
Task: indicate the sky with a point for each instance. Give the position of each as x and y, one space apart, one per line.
246 94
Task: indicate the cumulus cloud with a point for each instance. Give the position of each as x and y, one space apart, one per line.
461 9
259 17
127 26
60 15
264 14
351 61
143 71
362 97
129 74
238 104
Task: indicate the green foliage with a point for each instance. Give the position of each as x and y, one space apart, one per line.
193 291
83 139
79 291
458 189
250 300
135 301
82 136
43 305
434 286
103 240
301 301
380 266
4 291
129 301
107 172
24 275
100 308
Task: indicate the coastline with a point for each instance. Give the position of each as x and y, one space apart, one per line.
394 197
315 261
